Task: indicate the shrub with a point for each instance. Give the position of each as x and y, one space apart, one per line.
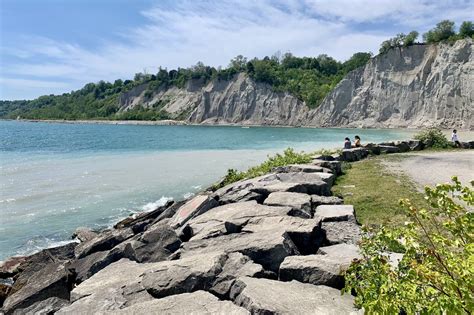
436 273
288 157
433 138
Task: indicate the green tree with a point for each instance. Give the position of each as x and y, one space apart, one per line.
442 31
410 38
436 273
238 63
466 29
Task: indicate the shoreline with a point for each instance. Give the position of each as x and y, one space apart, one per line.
171 122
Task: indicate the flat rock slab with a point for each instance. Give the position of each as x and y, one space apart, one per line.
341 232
199 302
305 168
300 204
192 208
103 242
322 269
231 218
335 166
329 213
325 200
356 154
263 296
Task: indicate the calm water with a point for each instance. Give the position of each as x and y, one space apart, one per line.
57 177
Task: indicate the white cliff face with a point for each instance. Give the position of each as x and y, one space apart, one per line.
417 86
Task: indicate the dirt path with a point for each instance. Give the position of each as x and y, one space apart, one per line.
437 167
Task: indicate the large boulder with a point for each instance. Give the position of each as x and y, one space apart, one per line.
45 307
335 166
300 204
415 145
403 146
194 207
305 168
389 149
325 200
338 232
10 267
199 302
326 268
355 154
329 213
84 234
264 296
144 217
104 241
4 290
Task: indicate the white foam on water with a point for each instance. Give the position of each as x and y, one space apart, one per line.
155 204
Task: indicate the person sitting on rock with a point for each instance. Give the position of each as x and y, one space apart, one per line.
454 138
357 142
347 143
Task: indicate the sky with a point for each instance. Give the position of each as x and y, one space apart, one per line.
56 46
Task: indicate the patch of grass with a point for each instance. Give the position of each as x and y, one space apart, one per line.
375 191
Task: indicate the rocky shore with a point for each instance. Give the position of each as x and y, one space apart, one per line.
274 244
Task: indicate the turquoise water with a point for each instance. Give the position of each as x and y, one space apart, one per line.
56 177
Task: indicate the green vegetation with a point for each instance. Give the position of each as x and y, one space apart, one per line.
443 31
433 138
436 273
376 206
288 157
308 78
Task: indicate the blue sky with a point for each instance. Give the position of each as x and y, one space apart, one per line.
55 46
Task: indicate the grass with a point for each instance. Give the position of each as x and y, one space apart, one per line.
375 191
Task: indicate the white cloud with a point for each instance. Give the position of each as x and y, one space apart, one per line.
213 32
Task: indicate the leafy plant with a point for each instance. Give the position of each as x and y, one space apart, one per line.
288 157
433 138
436 273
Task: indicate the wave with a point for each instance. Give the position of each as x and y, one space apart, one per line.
155 204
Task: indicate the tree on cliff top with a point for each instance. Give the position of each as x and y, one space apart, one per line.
443 30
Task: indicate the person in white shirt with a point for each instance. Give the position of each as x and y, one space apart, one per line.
454 138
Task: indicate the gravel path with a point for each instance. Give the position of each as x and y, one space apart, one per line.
438 167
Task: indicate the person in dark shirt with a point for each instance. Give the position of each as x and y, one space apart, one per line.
347 143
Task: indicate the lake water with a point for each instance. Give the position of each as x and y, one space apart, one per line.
56 177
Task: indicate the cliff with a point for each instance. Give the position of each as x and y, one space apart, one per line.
416 86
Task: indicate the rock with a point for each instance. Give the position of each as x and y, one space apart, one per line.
403 146
45 307
335 166
389 149
4 290
225 219
10 267
263 296
84 234
329 213
194 207
114 287
341 232
241 196
373 148
324 269
52 280
199 302
325 157
355 154
144 216
189 274
305 168
236 265
415 145
304 177
104 241
325 200
300 204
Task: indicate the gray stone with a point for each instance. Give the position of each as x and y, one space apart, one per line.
52 280
84 234
355 154
403 146
263 296
194 207
300 204
104 241
329 213
373 148
199 302
45 307
389 149
415 145
10 267
324 269
305 168
4 291
335 166
143 217
341 232
325 200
